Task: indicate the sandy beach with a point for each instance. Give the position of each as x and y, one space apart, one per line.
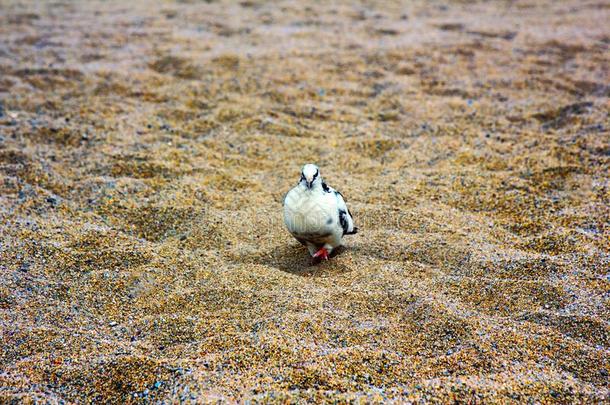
145 149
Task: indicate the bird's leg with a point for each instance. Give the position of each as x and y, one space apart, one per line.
321 254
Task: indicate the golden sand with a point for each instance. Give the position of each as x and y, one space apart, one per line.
145 149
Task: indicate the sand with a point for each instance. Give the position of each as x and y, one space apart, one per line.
145 150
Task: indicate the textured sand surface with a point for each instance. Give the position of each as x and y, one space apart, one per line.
145 149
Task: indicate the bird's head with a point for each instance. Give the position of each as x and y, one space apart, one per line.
310 176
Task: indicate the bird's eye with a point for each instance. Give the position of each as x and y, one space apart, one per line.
302 177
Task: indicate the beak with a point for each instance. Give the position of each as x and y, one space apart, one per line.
308 182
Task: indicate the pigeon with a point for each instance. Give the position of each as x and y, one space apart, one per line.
316 214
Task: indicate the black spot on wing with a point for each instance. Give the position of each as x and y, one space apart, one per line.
355 229
352 232
325 188
343 221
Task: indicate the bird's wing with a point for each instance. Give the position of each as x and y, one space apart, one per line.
284 199
345 217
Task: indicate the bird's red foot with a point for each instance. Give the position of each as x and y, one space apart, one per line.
321 254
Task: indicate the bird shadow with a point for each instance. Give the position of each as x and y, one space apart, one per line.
295 259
